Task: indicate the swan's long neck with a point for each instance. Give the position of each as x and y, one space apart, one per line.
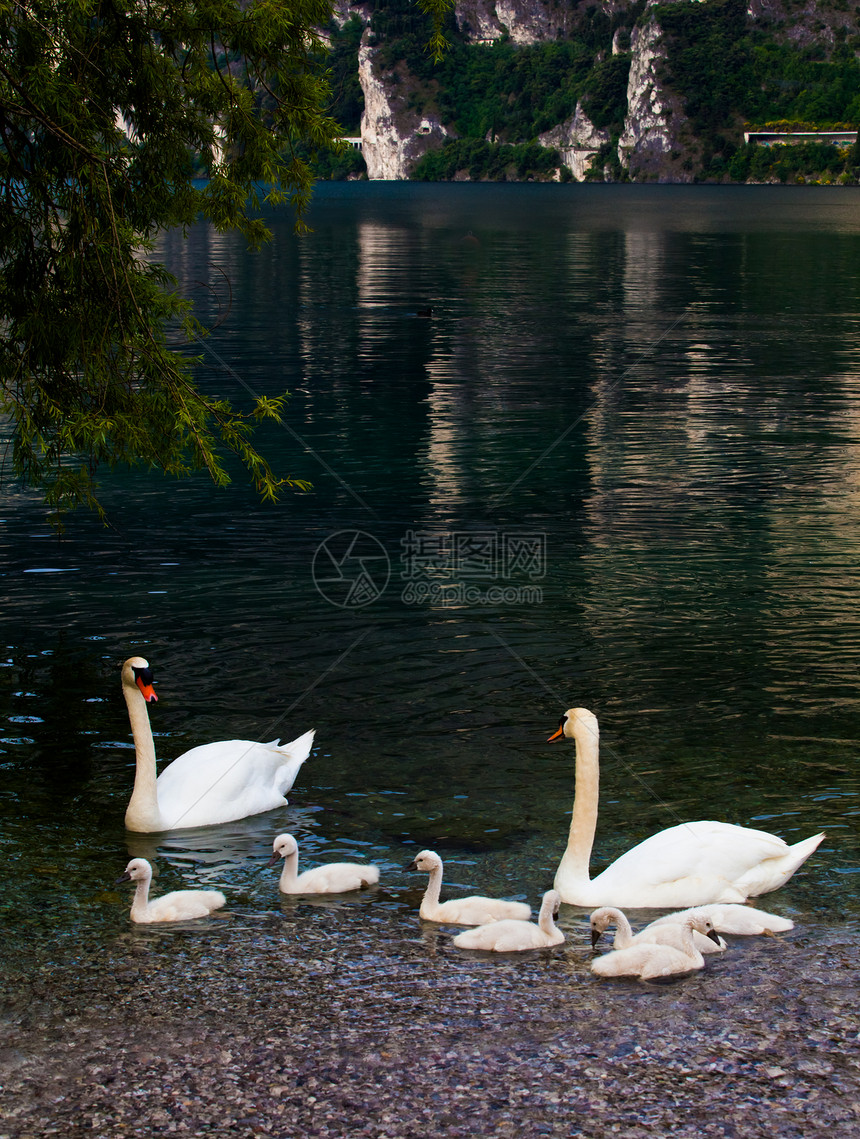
434 887
289 871
141 896
546 917
142 813
623 930
688 944
583 824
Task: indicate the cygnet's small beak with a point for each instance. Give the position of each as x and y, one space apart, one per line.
125 878
595 937
275 858
714 936
411 866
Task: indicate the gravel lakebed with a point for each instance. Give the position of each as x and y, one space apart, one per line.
353 1019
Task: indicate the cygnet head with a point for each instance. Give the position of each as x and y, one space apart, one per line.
701 923
576 721
426 860
136 870
137 673
283 846
600 921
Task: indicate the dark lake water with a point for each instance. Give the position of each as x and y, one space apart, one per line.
617 466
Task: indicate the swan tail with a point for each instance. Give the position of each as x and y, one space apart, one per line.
298 749
776 872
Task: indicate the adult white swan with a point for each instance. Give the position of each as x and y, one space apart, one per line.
512 936
180 905
334 878
691 864
213 783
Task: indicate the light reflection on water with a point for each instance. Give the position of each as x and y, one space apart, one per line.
687 364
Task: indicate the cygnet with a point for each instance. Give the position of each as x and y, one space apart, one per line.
513 936
472 910
335 878
180 905
651 959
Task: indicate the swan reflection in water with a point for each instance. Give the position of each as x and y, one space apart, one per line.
229 853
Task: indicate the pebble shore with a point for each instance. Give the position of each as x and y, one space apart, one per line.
358 1021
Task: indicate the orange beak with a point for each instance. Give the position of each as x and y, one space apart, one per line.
147 690
556 735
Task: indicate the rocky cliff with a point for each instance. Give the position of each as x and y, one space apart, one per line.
393 134
649 144
652 136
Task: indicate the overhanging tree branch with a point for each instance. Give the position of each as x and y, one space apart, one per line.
90 371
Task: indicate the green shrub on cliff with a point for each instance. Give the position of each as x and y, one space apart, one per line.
729 70
476 160
806 161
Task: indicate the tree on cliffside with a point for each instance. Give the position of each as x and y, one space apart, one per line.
109 113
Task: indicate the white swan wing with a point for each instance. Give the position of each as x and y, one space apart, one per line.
514 937
182 905
336 878
232 779
506 911
646 960
475 910
734 919
507 936
688 865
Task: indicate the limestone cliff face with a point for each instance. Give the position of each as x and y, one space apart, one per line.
649 144
656 143
577 140
525 21
393 136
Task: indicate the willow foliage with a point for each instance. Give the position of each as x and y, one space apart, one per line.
118 121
